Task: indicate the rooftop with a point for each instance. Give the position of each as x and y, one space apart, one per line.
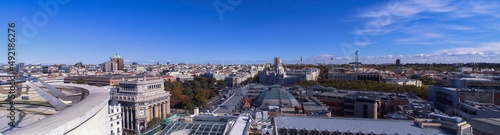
475 79
355 125
275 97
72 117
198 128
117 56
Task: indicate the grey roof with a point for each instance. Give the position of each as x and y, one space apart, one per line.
232 104
275 86
273 97
355 125
113 101
488 125
317 86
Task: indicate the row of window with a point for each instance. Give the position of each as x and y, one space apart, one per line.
117 117
125 98
113 110
129 88
156 86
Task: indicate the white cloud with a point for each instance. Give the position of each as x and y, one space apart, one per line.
433 35
404 20
484 47
484 7
482 52
362 44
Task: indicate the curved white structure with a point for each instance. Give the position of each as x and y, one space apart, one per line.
89 116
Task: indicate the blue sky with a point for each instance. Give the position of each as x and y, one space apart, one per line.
91 31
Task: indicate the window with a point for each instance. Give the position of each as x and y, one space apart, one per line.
365 111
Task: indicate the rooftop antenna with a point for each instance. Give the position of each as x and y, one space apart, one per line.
356 62
301 62
331 62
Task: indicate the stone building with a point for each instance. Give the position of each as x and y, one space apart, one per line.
142 100
279 75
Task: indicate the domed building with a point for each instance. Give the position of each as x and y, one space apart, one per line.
277 96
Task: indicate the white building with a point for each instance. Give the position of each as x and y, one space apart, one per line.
405 82
115 116
279 75
465 69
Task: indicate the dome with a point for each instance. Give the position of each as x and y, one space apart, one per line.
273 97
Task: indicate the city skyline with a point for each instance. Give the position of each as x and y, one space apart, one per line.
254 32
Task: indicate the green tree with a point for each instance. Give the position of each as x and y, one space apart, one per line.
154 122
197 92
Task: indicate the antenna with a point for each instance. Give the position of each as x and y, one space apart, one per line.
331 62
301 62
356 62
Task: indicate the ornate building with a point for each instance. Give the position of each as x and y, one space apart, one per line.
279 75
276 75
118 60
142 100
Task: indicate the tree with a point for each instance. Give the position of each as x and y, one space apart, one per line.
154 122
197 92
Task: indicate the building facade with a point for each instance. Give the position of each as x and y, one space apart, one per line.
475 105
119 61
109 66
143 101
115 116
279 75
405 82
361 106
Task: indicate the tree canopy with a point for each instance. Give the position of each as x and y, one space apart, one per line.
196 92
